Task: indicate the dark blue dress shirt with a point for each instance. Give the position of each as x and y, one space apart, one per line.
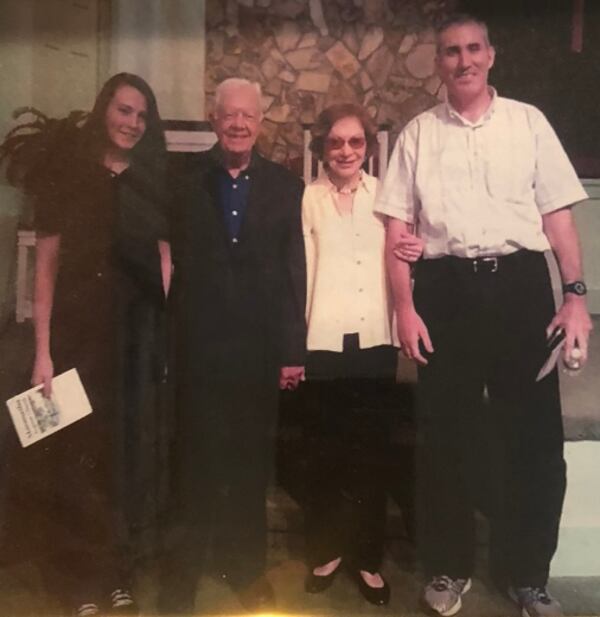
233 193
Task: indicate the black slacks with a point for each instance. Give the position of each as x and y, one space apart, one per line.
224 461
487 323
347 436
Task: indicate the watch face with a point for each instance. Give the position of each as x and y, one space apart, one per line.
577 287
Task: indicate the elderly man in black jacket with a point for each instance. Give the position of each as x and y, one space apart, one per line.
240 287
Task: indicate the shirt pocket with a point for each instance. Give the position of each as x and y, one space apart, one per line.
509 167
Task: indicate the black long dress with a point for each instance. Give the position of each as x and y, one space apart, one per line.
90 479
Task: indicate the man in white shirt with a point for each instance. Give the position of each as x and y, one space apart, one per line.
489 187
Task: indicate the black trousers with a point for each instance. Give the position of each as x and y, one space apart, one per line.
224 461
348 437
488 332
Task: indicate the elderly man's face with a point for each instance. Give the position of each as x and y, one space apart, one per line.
237 120
464 60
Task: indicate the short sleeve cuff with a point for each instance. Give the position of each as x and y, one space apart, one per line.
395 211
563 201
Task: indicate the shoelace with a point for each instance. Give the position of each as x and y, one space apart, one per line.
88 610
442 583
121 598
529 595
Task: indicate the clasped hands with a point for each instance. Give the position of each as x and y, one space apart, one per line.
290 377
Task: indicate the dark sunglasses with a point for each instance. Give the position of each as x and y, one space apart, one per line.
336 143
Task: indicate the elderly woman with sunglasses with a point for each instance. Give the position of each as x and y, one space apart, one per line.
351 358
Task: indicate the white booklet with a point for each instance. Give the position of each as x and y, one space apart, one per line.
36 417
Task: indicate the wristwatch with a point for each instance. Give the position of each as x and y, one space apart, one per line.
576 287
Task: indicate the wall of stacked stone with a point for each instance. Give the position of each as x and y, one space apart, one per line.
308 54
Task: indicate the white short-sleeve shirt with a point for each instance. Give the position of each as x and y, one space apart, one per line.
479 188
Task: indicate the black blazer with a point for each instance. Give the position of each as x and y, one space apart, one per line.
255 289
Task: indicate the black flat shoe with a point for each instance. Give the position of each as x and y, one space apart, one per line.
380 596
317 584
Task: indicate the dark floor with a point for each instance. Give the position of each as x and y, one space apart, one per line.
21 592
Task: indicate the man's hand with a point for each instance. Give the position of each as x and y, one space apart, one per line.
43 371
408 247
573 317
290 377
411 330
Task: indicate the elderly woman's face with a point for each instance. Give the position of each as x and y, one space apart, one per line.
345 148
126 117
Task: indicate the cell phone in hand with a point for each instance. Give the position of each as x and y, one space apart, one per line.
556 338
554 345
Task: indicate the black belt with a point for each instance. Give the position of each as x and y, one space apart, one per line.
489 264
484 264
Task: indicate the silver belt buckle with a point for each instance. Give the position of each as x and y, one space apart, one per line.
493 261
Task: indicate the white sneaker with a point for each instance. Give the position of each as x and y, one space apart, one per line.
535 602
122 603
444 594
88 610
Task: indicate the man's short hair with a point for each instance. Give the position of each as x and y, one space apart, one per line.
233 83
460 19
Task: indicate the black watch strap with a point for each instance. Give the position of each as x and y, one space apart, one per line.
576 287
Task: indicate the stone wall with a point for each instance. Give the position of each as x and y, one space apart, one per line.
308 54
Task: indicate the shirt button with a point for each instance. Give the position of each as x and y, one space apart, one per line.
362 318
358 262
360 290
234 212
99 274
234 240
235 186
246 178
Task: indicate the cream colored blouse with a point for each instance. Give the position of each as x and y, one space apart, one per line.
347 287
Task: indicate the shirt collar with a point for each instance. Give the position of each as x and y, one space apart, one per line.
323 180
455 115
216 153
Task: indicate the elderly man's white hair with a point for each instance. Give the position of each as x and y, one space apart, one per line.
233 83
